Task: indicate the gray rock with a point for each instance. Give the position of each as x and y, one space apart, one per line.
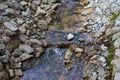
18 72
42 25
22 29
4 58
23 38
68 54
20 21
39 51
27 12
9 11
1 66
26 48
2 46
51 1
3 6
23 3
70 36
117 76
25 56
117 21
17 65
39 10
98 11
117 53
102 59
113 30
115 36
117 43
9 33
36 42
17 53
10 26
11 73
78 50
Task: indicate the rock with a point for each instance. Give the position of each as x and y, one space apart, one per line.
11 73
39 11
20 21
25 56
35 42
18 65
1 66
39 50
2 46
1 31
9 11
98 11
117 21
17 53
117 53
42 25
27 42
78 55
23 3
113 30
27 12
70 36
117 43
51 1
103 47
115 36
3 6
4 58
18 72
22 29
78 50
68 55
26 48
116 63
9 32
102 59
117 76
10 26
23 38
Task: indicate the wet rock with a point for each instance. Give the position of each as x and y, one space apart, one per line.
70 36
1 66
42 25
116 36
78 50
18 72
23 38
117 76
10 26
2 46
68 55
117 43
35 42
25 56
39 11
11 73
26 48
4 58
78 55
39 50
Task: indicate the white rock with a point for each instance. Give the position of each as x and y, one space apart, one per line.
98 11
115 36
68 55
117 76
78 50
117 43
117 53
70 36
103 47
102 59
10 26
39 10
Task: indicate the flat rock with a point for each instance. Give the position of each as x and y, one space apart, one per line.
117 76
115 36
26 48
10 26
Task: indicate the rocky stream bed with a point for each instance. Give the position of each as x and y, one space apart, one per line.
59 39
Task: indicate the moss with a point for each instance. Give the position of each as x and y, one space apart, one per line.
114 16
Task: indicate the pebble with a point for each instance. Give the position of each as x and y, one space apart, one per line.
18 72
78 55
23 38
39 10
9 11
26 48
103 47
102 59
78 50
39 50
11 73
117 53
35 41
25 56
98 11
70 36
68 54
10 26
